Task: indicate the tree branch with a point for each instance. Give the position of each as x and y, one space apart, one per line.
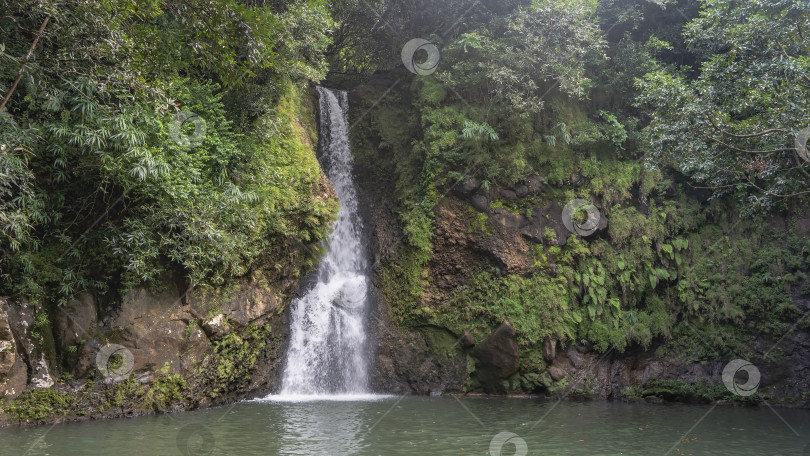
753 135
27 58
730 147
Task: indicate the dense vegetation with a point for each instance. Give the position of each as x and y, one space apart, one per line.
148 136
685 121
681 120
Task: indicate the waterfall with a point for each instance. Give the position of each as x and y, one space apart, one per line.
327 350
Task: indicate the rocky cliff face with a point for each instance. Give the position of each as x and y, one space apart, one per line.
220 344
163 347
431 359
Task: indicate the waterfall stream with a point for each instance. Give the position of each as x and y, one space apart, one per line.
327 349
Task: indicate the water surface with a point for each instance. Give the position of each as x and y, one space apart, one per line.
429 426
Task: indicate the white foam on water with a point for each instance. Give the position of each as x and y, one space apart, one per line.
324 398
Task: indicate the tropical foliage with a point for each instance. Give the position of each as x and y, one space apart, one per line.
145 137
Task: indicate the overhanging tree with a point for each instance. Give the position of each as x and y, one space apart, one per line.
734 127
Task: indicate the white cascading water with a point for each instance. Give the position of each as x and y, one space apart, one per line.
327 351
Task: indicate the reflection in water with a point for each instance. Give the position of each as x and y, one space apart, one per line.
322 428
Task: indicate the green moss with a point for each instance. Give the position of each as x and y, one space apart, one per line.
234 358
681 391
402 283
633 392
40 404
478 222
166 390
441 343
537 306
509 206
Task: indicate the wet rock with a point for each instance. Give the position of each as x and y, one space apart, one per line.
497 356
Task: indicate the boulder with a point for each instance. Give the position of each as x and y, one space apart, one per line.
480 202
247 303
556 373
497 357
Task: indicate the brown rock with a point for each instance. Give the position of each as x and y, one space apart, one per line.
246 304
507 220
574 357
534 185
152 325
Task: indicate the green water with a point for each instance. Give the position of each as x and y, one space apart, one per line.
428 426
